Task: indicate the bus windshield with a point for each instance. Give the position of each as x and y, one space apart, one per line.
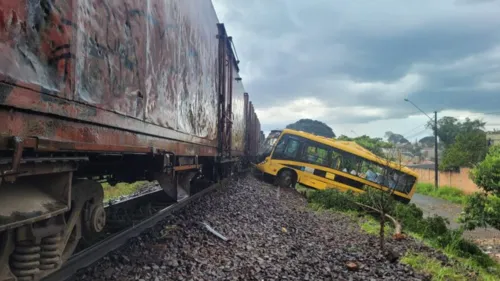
266 148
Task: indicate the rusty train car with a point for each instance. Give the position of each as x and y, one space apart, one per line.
116 91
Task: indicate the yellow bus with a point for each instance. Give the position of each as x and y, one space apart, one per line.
290 157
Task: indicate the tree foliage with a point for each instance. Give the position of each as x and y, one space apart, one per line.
375 145
312 126
465 142
427 141
487 173
449 128
469 148
396 138
483 208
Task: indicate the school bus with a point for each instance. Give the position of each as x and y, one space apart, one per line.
289 157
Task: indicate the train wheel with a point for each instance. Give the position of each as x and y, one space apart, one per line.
86 217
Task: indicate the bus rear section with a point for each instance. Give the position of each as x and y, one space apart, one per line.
291 157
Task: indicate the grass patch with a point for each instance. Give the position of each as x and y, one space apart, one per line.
371 226
458 270
121 189
431 266
448 193
304 190
468 259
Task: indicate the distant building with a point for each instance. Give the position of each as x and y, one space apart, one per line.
493 137
400 155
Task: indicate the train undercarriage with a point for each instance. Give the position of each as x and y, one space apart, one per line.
52 203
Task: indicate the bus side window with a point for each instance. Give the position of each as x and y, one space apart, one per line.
336 160
315 154
292 149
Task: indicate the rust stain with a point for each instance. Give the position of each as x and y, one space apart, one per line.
67 136
137 68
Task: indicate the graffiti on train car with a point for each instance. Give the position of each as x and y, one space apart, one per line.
116 55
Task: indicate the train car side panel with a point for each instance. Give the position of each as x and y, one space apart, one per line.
158 63
147 67
35 42
110 58
181 71
238 117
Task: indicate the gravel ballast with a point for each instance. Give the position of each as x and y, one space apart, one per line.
270 238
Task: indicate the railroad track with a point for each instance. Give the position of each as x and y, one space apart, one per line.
95 252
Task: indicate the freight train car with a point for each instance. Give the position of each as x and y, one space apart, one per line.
118 91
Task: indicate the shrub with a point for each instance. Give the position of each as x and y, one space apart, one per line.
435 226
481 210
433 229
334 199
410 216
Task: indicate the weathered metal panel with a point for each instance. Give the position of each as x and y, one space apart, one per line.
31 100
238 116
35 41
110 54
142 66
181 77
151 59
224 91
252 129
247 124
88 137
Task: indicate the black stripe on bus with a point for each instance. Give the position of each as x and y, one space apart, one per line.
319 173
300 168
338 178
348 181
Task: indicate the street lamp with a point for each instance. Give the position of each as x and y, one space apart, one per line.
436 172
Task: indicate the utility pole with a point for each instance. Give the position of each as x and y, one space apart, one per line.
436 171
435 127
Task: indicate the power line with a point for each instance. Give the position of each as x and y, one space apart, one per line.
413 129
415 134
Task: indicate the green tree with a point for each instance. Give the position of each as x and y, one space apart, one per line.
487 173
469 148
312 126
427 141
465 142
396 138
449 128
483 208
375 145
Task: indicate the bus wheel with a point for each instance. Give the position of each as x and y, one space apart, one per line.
286 178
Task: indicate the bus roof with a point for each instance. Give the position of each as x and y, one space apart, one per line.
353 148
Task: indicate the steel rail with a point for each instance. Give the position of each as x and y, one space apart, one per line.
96 252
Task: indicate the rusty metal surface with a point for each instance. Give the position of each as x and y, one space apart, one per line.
238 117
225 67
45 103
254 131
186 167
117 63
87 137
252 120
34 199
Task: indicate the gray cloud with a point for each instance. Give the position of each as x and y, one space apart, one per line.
358 60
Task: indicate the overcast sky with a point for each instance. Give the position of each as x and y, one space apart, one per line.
351 63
